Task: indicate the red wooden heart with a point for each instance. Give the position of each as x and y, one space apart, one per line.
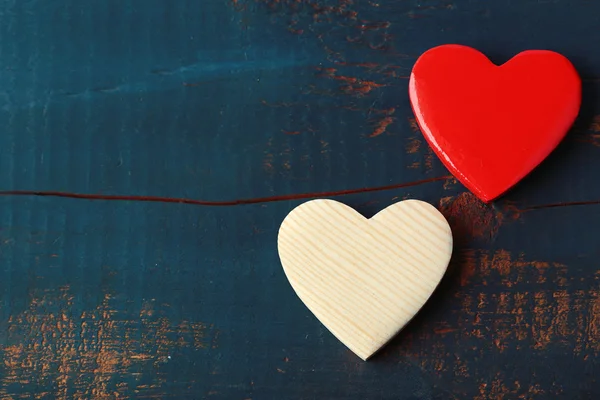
491 125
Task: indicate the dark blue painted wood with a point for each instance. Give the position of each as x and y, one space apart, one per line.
224 100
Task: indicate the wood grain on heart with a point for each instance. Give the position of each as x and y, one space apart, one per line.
364 279
491 125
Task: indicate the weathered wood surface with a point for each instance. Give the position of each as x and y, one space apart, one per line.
246 99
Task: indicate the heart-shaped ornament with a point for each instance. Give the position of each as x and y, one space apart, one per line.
364 279
491 125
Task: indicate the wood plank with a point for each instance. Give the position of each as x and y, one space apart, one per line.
247 99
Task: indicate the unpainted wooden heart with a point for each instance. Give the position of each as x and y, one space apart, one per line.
364 279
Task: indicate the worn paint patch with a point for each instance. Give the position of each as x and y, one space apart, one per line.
594 131
384 122
429 160
509 308
277 157
503 267
514 320
413 146
92 354
356 84
351 85
588 134
417 146
595 126
469 217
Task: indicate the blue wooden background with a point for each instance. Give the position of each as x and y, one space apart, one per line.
221 100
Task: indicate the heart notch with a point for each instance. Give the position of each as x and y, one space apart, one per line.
492 125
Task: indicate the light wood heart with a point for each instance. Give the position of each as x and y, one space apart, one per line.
364 279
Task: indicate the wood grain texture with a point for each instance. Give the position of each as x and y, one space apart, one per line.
225 100
364 279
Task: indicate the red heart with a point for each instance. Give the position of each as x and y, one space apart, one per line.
491 125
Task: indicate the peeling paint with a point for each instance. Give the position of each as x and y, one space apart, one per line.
469 217
91 354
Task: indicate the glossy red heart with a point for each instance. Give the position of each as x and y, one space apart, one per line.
491 125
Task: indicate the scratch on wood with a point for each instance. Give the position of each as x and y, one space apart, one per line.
256 200
559 205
